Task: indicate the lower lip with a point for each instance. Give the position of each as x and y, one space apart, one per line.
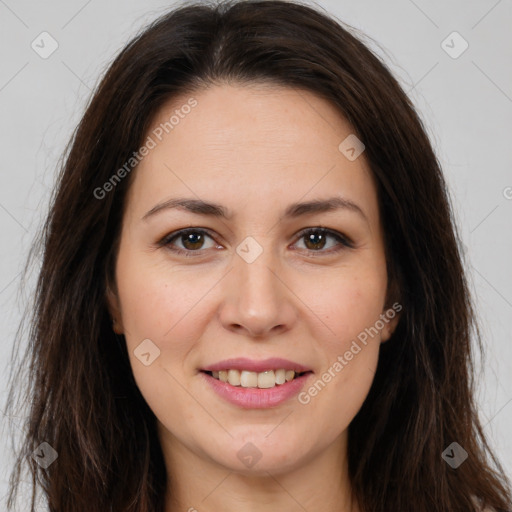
256 398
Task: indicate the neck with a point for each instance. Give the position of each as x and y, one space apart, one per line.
198 484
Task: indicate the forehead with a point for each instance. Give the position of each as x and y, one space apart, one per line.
244 143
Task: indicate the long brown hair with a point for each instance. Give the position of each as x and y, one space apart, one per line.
84 401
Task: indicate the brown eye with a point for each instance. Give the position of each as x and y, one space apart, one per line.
188 241
317 239
192 240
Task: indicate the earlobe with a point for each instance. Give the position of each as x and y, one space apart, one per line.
116 327
386 333
390 325
114 310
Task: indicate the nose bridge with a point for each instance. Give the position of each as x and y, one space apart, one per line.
258 278
259 301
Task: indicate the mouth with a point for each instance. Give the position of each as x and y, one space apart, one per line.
262 380
256 384
249 389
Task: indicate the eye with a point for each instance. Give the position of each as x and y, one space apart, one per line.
191 240
316 239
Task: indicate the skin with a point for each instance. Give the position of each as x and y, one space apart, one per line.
255 150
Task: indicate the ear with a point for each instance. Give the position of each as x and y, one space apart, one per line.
114 310
390 317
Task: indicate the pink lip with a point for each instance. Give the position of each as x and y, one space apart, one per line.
255 398
242 363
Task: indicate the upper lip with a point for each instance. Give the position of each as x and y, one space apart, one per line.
252 365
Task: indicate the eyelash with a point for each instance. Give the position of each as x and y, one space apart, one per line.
344 241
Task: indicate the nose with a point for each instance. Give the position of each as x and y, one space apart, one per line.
258 301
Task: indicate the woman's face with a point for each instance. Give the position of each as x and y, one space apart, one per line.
247 283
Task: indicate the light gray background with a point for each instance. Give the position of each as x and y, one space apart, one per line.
466 104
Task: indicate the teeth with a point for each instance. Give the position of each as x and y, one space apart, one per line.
266 379
248 379
234 377
280 376
262 380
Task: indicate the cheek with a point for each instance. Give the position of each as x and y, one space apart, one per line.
162 305
166 308
347 301
159 302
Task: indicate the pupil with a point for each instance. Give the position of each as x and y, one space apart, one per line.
320 239
192 240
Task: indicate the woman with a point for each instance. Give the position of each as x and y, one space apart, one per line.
252 293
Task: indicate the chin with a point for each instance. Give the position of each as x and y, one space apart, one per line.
257 455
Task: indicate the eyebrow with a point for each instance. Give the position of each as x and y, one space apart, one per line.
295 210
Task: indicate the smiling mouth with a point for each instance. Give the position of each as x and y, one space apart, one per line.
262 380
